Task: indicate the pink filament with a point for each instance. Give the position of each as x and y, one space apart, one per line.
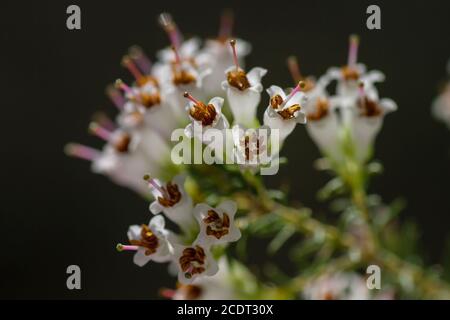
293 92
81 151
100 131
353 51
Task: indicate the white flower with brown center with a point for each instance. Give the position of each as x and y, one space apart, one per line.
172 199
243 90
193 262
352 74
122 159
150 242
204 116
367 120
216 287
218 55
217 224
285 111
251 147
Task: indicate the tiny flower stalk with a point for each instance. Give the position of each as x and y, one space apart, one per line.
243 90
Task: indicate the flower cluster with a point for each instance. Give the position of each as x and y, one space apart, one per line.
192 259
205 88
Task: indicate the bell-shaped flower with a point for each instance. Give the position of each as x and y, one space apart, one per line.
150 242
243 90
251 147
172 199
204 116
351 75
368 119
194 262
285 111
216 287
217 224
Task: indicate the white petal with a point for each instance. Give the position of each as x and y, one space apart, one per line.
157 223
140 258
134 232
254 75
155 207
229 207
217 102
276 90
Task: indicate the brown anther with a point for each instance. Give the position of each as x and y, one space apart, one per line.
192 261
321 110
144 80
238 79
349 73
289 113
216 226
309 84
276 101
148 240
122 143
182 77
149 100
173 195
369 108
204 113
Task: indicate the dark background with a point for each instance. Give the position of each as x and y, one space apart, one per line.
55 213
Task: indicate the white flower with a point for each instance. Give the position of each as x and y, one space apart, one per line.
217 224
243 90
172 199
339 286
193 262
149 241
441 106
251 147
367 121
204 116
218 55
216 287
285 111
187 51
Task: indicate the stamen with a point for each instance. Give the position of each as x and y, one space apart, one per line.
115 96
81 151
122 247
299 86
353 50
129 64
152 182
99 131
235 57
167 293
191 98
121 85
105 121
226 24
166 21
140 58
294 68
177 56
